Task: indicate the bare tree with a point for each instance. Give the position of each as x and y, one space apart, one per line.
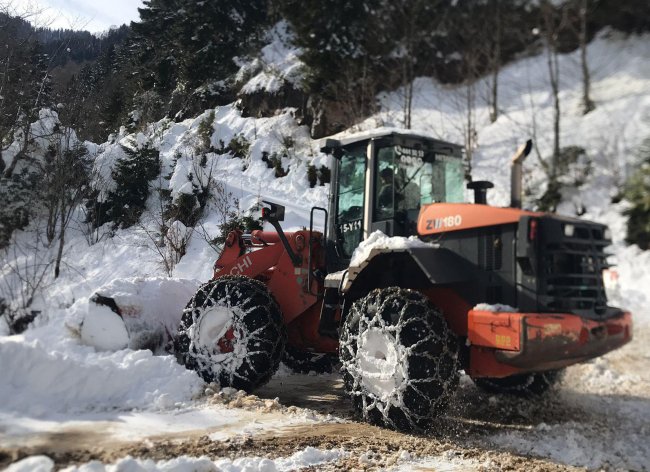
23 275
580 9
413 24
494 58
554 19
65 183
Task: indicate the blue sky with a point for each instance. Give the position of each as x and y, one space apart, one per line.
91 15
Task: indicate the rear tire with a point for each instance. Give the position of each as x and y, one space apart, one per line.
399 359
303 362
522 385
232 333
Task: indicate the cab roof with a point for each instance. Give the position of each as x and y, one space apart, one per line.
343 140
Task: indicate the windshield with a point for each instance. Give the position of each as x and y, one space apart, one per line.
408 178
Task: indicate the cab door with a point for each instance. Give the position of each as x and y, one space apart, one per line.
350 201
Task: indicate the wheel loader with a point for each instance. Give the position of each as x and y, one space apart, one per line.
408 285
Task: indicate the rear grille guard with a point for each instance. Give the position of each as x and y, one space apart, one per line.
570 279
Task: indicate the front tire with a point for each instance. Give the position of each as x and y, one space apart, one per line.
232 333
522 385
399 359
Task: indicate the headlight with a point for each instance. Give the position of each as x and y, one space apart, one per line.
569 230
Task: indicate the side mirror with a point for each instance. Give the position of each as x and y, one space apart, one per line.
272 211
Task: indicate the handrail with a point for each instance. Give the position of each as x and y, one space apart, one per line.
311 240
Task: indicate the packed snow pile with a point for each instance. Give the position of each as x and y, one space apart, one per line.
139 313
48 370
43 376
379 240
309 457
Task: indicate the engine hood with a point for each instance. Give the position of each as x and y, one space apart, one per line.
437 218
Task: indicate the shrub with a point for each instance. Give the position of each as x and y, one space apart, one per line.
274 161
324 175
204 133
637 192
551 198
312 175
239 146
186 209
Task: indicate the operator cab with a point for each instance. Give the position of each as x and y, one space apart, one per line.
381 179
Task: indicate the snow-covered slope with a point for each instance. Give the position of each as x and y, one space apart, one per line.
49 372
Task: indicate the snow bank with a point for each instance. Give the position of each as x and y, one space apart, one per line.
379 240
32 464
150 309
633 270
39 379
308 457
576 444
48 371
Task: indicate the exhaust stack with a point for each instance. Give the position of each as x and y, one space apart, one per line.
516 166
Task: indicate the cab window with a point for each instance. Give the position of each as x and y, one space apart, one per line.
349 211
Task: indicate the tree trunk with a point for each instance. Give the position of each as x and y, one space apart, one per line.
554 76
409 104
470 131
494 106
496 65
587 104
59 254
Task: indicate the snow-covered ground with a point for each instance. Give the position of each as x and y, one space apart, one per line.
54 384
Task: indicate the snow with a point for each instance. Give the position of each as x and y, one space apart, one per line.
379 240
42 378
63 372
279 64
104 329
32 464
379 363
443 463
150 310
308 457
497 308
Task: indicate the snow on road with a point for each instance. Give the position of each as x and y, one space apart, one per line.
309 457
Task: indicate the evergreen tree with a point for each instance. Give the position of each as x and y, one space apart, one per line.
132 175
184 45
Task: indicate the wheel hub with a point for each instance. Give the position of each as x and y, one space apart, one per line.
379 360
215 330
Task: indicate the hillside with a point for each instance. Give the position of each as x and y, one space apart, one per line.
54 384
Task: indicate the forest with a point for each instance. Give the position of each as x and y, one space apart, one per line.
183 57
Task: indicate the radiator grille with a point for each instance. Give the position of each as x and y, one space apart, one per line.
571 272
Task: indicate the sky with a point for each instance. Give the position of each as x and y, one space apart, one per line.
91 15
